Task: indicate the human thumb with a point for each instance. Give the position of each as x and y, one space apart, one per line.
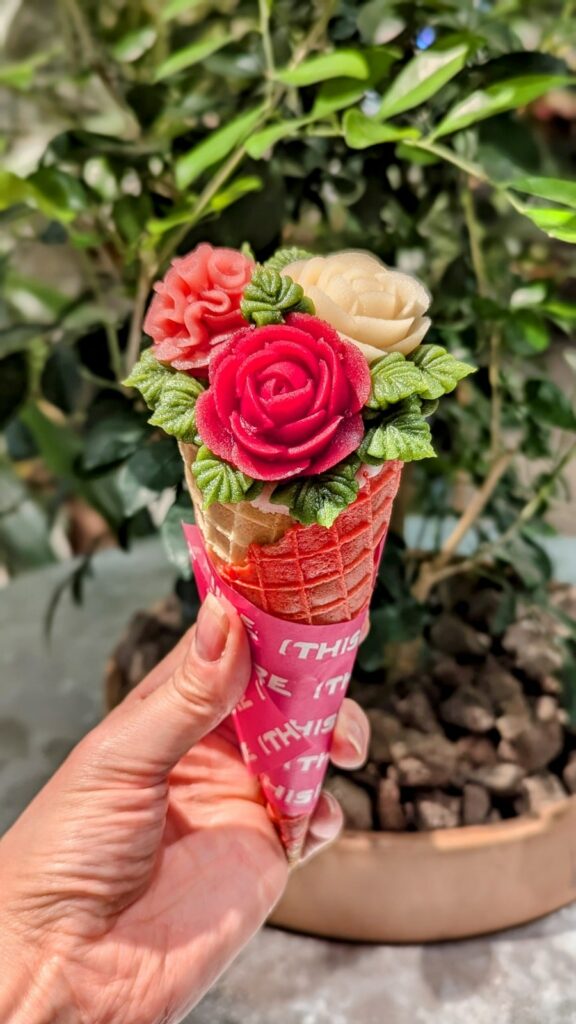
158 725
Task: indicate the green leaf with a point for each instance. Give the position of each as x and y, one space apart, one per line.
175 412
403 434
549 404
113 437
528 295
495 99
219 481
173 537
361 131
133 45
149 377
393 378
339 93
193 54
284 257
441 372
270 296
339 64
13 385
19 337
422 77
180 214
261 142
215 148
21 74
557 190
149 471
233 192
173 8
320 499
13 190
57 193
556 223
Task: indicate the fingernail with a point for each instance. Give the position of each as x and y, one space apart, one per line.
355 734
212 627
327 820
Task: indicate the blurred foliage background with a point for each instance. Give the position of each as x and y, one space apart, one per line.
439 135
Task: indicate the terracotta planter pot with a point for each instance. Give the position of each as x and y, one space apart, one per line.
449 884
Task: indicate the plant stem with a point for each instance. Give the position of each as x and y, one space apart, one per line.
432 572
475 508
444 153
476 253
264 10
494 343
135 332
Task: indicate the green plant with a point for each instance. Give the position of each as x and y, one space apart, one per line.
411 129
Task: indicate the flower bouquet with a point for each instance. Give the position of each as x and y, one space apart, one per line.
297 389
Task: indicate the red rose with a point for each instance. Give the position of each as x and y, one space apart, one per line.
284 399
197 306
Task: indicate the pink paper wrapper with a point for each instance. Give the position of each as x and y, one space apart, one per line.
300 677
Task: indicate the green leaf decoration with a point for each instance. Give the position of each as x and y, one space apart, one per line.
403 434
175 412
321 499
393 378
270 296
283 257
220 482
429 406
149 377
440 371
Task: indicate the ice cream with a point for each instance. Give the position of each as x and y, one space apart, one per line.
293 433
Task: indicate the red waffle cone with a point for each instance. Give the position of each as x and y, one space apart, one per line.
316 575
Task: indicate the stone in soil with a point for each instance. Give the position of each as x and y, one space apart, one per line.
437 810
415 710
500 779
502 688
534 744
384 730
452 635
424 760
468 708
569 773
476 804
448 672
483 606
355 802
536 644
390 812
476 751
538 791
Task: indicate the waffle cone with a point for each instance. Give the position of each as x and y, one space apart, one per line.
306 574
230 530
309 574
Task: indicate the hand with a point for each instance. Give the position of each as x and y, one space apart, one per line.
149 860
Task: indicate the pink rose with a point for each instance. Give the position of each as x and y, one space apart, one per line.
285 399
197 306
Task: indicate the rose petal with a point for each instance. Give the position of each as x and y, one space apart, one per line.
346 440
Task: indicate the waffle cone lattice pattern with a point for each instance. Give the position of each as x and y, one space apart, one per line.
229 530
316 575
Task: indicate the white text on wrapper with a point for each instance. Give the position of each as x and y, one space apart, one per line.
320 651
266 680
283 737
291 797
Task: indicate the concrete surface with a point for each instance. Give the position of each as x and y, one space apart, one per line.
49 696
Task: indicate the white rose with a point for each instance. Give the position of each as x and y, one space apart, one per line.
380 310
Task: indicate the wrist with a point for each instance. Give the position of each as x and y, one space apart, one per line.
33 990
